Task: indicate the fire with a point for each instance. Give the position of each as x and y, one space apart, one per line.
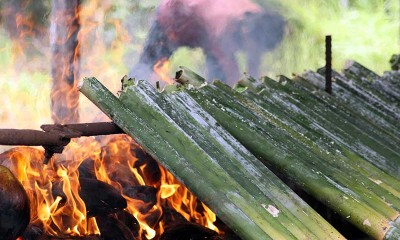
54 190
59 216
161 68
117 155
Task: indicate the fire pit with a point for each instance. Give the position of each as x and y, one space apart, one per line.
105 187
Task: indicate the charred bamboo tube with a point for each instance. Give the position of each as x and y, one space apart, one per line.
259 181
162 139
274 153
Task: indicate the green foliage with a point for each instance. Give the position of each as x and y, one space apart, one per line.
362 30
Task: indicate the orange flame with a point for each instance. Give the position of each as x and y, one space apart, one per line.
58 216
115 164
161 68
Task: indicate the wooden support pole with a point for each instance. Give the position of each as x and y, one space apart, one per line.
328 59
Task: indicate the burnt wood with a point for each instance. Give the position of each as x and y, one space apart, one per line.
130 221
147 194
14 206
113 229
100 198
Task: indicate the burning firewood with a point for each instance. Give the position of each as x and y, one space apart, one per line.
100 198
86 169
147 194
14 206
113 229
151 170
172 217
130 221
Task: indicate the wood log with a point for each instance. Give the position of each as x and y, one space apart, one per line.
86 169
171 217
151 172
147 194
130 221
33 232
14 206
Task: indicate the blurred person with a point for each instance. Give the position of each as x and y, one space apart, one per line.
219 27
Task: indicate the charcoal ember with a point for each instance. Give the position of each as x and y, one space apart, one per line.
32 232
184 231
147 194
130 221
14 206
113 229
100 198
86 169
